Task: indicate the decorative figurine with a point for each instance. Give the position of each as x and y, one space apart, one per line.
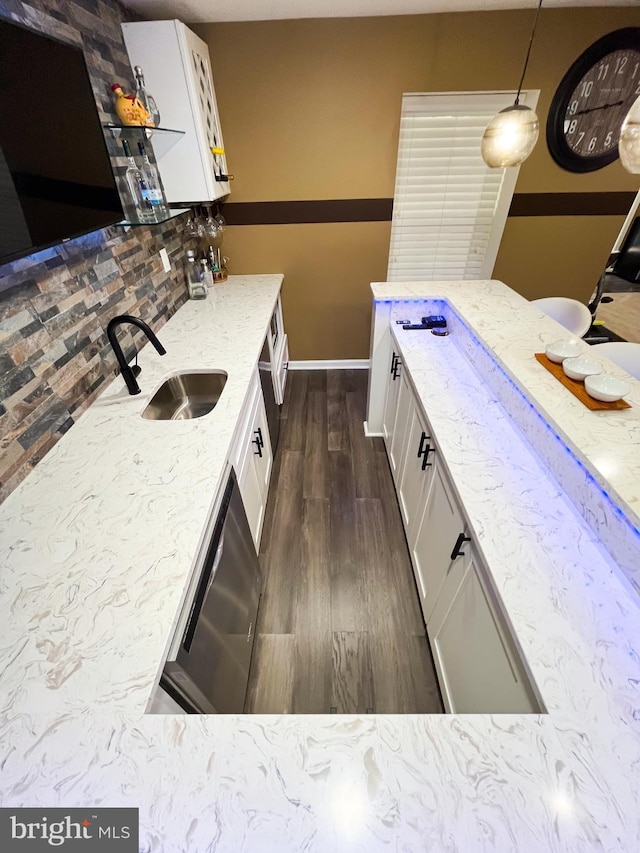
130 110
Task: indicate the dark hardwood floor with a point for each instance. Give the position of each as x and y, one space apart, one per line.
339 625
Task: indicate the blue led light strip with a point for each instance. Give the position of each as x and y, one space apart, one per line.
617 510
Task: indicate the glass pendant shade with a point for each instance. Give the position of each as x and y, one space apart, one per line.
629 144
510 137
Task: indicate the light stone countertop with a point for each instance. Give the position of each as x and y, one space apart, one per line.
99 544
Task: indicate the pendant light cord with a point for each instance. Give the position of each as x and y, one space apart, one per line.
526 61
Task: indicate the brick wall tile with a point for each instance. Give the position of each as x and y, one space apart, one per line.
55 305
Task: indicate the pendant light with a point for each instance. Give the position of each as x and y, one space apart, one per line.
629 144
511 135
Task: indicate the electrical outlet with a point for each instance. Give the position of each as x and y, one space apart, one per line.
166 263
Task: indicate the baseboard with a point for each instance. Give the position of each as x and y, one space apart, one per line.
331 364
370 434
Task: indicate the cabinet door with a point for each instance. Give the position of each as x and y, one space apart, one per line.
253 460
417 464
261 446
397 448
391 399
282 369
196 59
432 538
178 74
478 667
252 496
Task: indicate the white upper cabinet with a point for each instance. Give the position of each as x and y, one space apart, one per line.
178 74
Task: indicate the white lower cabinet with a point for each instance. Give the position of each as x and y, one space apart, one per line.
391 399
416 466
398 445
478 667
253 459
282 370
431 541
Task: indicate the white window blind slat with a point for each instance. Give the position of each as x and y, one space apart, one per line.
446 198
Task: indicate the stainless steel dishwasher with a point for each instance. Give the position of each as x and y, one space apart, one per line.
211 669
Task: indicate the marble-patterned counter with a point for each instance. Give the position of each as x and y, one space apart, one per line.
98 545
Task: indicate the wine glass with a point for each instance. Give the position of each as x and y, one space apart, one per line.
195 225
220 220
212 233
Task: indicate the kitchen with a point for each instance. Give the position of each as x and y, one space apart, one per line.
422 781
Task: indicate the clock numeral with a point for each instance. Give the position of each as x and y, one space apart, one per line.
602 71
572 126
585 88
635 69
573 107
580 137
608 139
592 144
637 92
620 64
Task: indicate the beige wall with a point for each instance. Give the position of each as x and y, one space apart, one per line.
310 110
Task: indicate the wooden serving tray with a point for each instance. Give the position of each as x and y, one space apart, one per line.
577 388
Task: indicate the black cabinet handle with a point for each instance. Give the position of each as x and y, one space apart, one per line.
393 363
424 450
395 367
425 462
459 543
260 439
258 450
421 448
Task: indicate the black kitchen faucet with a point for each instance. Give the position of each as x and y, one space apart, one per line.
129 373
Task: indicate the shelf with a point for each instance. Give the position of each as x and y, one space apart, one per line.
173 213
162 138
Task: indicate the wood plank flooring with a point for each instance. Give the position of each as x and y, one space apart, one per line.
339 626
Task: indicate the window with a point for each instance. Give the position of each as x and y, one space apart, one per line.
449 207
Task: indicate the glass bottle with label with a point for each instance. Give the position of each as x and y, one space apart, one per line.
145 98
138 190
195 278
152 179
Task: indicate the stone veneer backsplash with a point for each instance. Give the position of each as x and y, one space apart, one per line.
55 305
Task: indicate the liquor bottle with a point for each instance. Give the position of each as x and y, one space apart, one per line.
195 277
206 272
138 189
152 179
146 99
129 109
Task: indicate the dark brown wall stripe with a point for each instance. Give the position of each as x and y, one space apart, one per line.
380 209
571 204
294 212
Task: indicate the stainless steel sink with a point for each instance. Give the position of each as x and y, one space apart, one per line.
186 396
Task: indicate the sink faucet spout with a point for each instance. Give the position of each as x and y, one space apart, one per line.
128 373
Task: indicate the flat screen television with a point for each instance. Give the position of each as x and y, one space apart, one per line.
56 180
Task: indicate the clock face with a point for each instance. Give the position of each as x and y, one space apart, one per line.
595 95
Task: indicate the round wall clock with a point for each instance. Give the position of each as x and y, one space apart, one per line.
592 100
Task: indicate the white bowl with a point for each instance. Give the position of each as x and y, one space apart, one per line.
559 350
605 387
581 367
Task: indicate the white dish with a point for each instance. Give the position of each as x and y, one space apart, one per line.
581 367
605 387
559 350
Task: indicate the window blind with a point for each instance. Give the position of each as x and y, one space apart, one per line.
449 207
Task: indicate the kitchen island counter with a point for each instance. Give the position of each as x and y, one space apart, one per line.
101 540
